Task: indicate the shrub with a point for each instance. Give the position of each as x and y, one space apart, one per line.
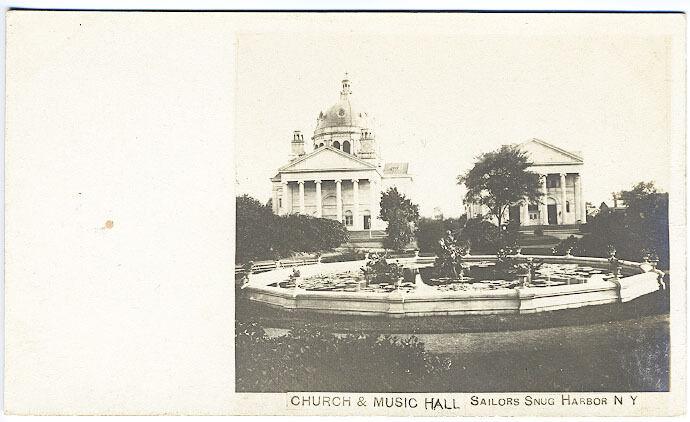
307 359
570 244
639 230
302 233
430 232
482 235
260 234
350 254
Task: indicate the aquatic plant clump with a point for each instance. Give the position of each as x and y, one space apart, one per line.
449 262
379 270
481 275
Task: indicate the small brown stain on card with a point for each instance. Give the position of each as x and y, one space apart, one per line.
108 224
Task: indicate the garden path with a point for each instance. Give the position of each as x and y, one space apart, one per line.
621 332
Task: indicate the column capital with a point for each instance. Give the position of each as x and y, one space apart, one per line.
563 174
301 182
338 181
317 181
285 182
355 181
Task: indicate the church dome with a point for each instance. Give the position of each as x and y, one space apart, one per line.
343 116
342 113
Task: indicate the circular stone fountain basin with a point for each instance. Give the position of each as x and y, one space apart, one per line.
561 282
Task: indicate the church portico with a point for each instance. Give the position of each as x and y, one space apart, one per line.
348 200
562 201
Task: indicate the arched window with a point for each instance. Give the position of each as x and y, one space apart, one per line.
348 218
346 146
336 145
567 206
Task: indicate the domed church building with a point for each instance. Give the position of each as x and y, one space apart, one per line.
342 176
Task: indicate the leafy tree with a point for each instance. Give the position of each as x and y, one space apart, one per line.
639 230
500 179
402 216
254 235
647 209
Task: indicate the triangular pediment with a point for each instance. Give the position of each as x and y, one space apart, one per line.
327 158
544 153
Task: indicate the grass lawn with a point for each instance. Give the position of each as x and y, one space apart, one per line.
629 355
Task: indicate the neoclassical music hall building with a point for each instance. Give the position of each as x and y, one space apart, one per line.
561 177
342 175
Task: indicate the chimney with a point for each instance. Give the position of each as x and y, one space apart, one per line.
297 144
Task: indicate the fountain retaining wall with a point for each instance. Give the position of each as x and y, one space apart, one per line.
429 301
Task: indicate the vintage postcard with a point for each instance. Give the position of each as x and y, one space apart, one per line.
404 214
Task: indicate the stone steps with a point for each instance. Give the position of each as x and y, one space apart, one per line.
365 235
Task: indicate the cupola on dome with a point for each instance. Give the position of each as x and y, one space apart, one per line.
342 120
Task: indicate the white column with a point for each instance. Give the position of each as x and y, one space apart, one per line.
564 198
524 213
576 197
544 213
579 200
374 201
301 196
339 200
583 203
356 224
319 212
285 198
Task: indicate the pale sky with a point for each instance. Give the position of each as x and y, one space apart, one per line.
441 99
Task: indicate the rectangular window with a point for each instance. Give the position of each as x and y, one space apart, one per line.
553 182
348 220
533 212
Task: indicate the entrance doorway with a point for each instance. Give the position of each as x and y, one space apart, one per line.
367 222
514 215
553 214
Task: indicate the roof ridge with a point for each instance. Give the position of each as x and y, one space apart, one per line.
324 148
555 147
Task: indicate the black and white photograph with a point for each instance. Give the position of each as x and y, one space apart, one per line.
465 213
345 212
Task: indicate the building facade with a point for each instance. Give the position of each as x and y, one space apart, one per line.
342 176
562 201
